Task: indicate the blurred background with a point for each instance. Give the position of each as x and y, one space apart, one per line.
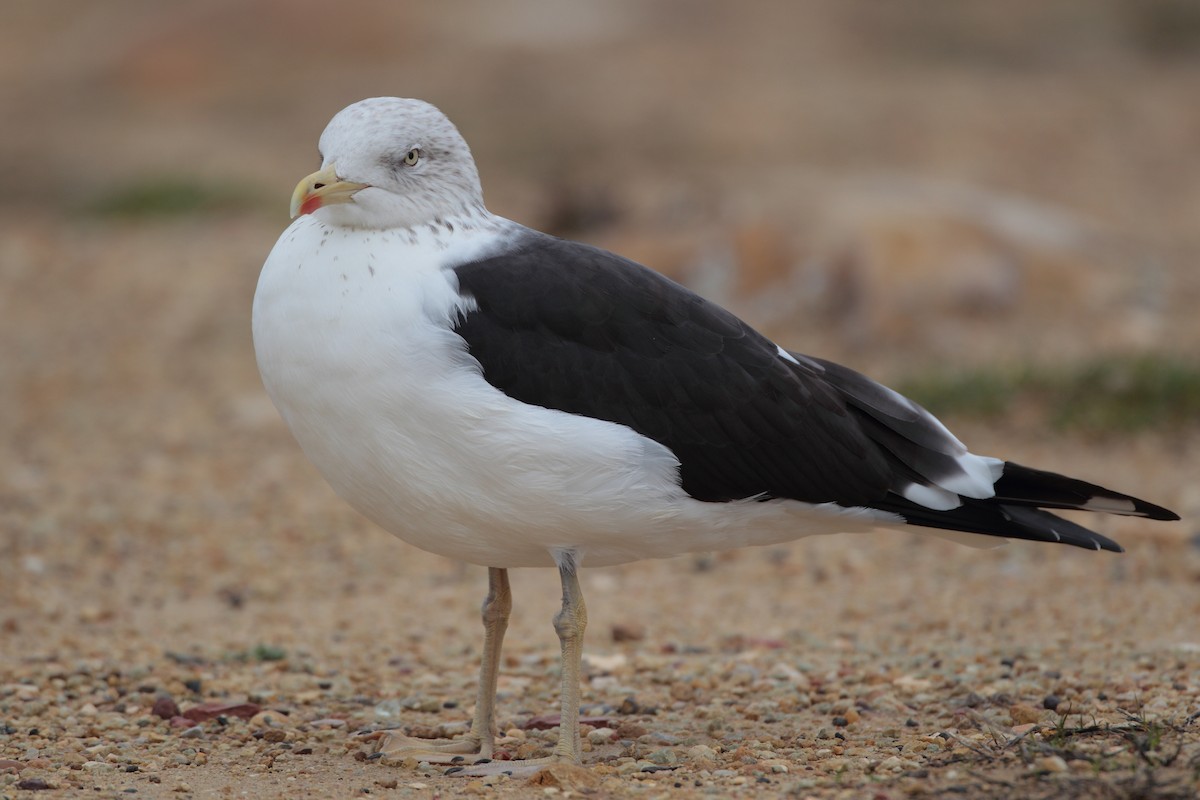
992 206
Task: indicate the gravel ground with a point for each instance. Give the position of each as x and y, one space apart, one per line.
187 610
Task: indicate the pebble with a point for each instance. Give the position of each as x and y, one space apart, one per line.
663 757
1051 764
600 735
701 752
34 785
1023 713
628 632
630 730
269 719
207 711
427 705
165 707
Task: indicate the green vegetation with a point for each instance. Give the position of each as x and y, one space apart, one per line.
268 652
260 652
171 196
1116 394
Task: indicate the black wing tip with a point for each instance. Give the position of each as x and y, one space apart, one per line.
1005 521
1021 485
1152 511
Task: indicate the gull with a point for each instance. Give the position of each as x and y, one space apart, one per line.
506 398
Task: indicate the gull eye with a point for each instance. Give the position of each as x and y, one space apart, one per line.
412 157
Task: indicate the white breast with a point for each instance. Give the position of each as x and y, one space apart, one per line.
353 334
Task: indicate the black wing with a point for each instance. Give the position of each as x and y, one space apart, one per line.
578 329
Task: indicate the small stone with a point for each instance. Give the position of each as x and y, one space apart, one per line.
891 763
628 632
269 719
207 711
1023 713
194 732
701 752
564 778
416 702
630 705
8 764
630 730
1051 701
542 722
911 683
663 757
34 785
601 735
165 707
386 709
1051 764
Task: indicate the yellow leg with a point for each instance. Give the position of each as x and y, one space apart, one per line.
479 743
569 624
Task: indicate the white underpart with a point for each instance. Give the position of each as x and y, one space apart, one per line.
352 330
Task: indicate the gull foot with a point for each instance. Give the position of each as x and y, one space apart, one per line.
464 751
515 769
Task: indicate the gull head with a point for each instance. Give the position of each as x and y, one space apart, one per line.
389 162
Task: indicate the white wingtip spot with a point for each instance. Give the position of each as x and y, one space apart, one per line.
931 497
978 478
786 356
1110 505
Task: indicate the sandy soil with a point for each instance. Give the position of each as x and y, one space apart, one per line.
186 610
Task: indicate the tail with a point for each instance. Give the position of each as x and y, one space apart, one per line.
1017 509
